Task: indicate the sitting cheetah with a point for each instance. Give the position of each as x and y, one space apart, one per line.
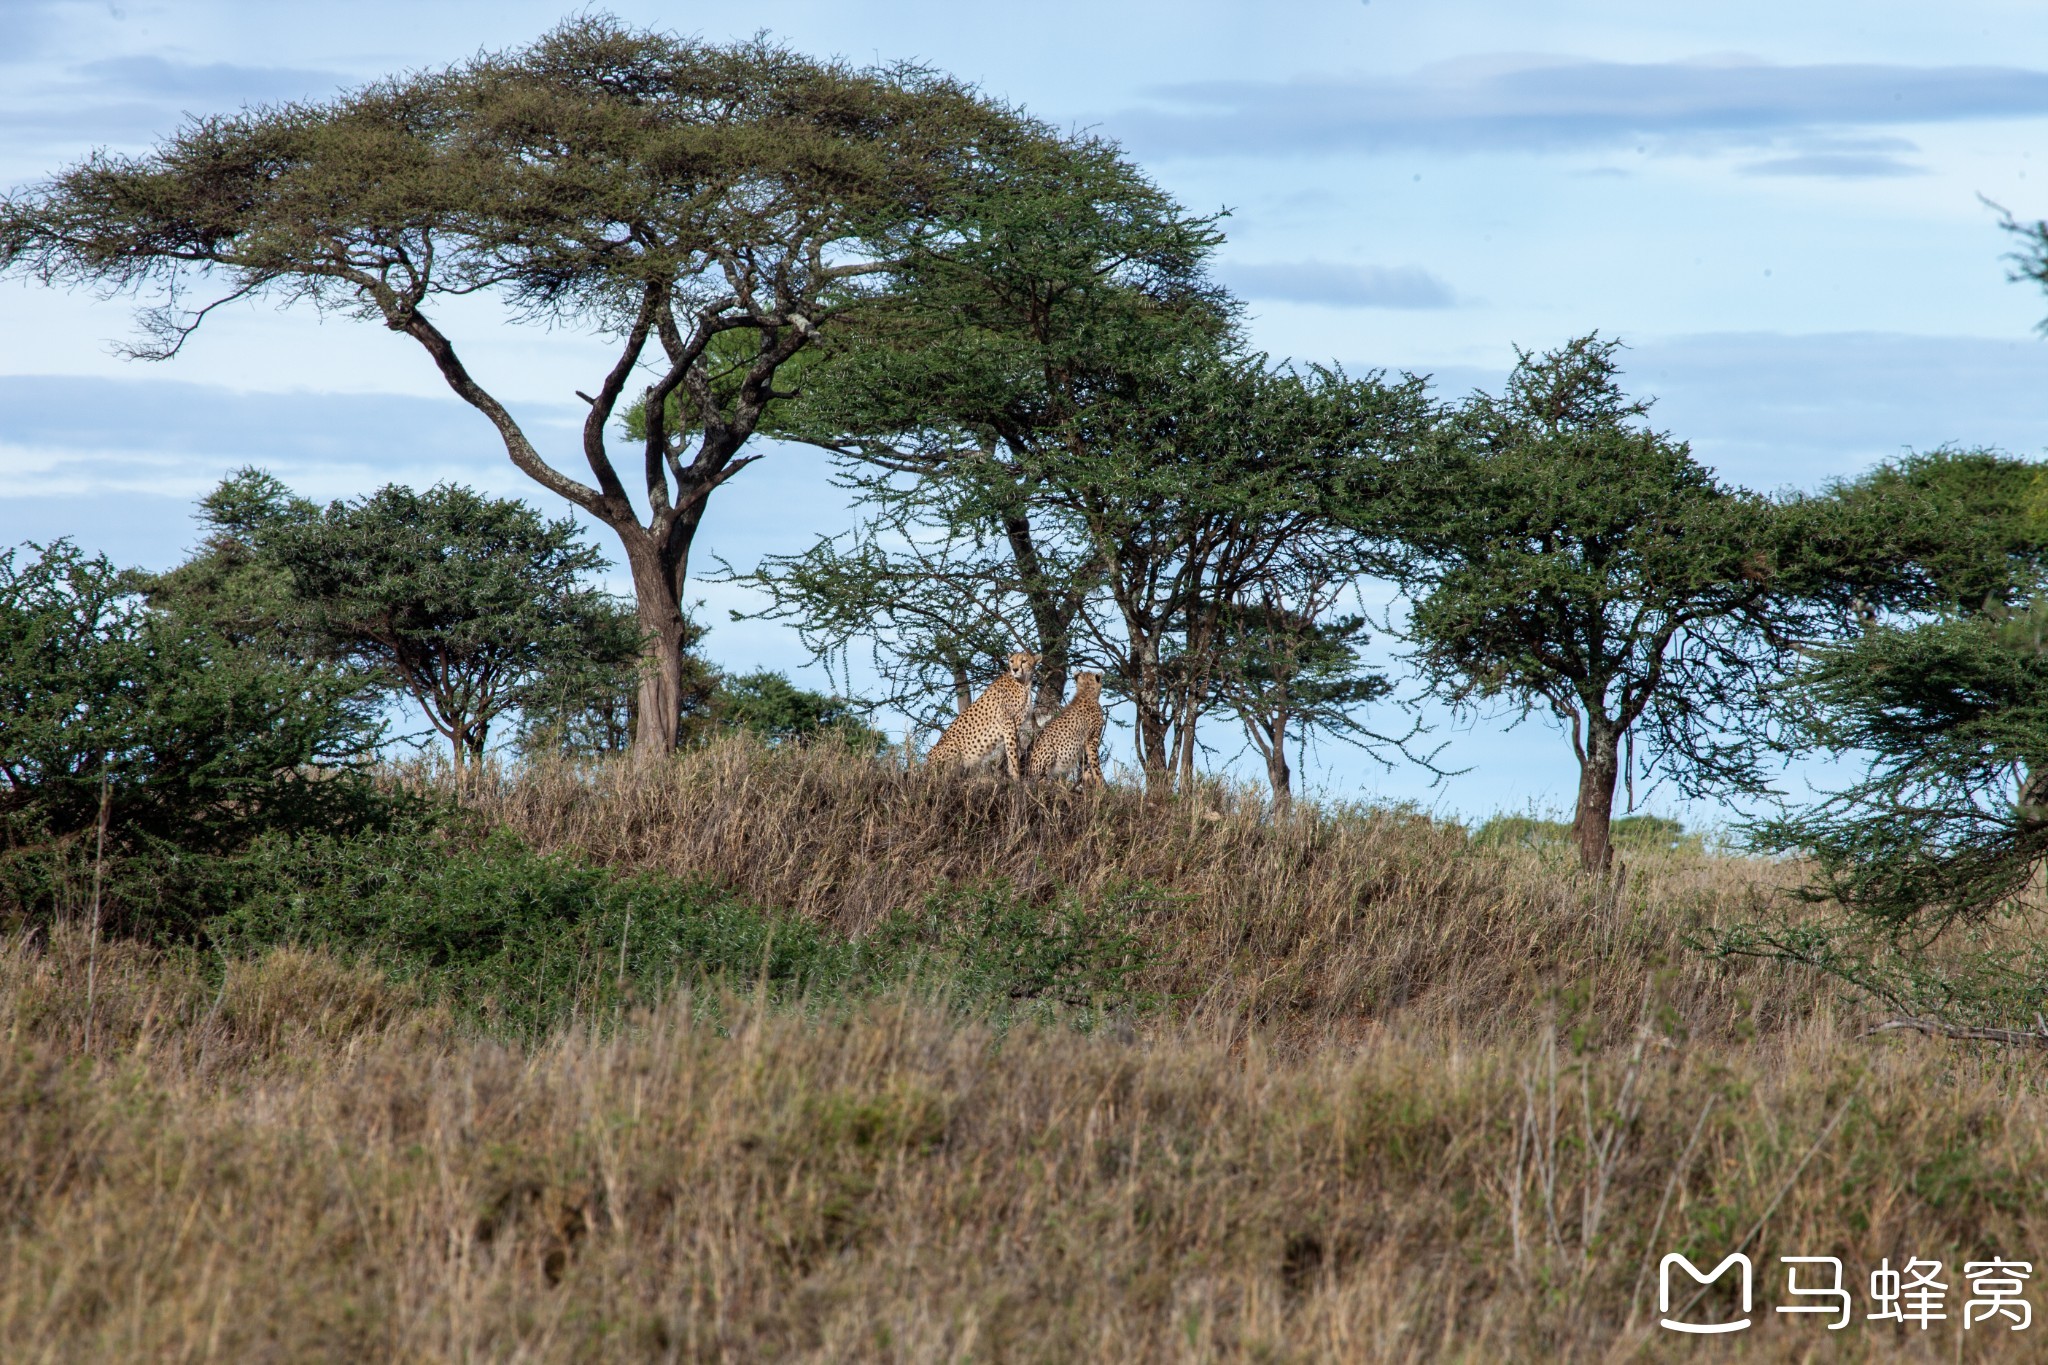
1071 741
990 721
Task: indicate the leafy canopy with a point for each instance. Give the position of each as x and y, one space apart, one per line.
1944 694
1565 555
465 602
709 210
192 740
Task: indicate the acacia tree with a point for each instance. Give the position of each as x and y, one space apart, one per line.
1189 475
926 612
1291 667
1943 689
465 601
472 605
1059 277
1205 492
1562 554
657 191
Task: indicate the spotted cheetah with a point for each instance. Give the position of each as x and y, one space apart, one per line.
990 721
1071 741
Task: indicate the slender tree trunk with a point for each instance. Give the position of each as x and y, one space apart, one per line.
1153 748
1598 770
1051 617
1184 743
471 739
1278 775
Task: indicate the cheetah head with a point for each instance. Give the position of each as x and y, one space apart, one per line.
1087 685
1021 666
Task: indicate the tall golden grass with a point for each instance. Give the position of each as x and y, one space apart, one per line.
1322 925
1416 1101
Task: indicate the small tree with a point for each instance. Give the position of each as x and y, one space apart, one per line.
768 705
1563 554
463 600
1291 670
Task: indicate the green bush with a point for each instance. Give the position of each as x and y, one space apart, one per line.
522 940
1628 832
182 743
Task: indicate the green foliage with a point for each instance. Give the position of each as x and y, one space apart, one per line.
1944 698
515 937
728 358
465 601
1947 821
189 744
1945 694
720 207
1639 832
1060 274
767 704
1942 531
523 940
586 705
995 946
1565 555
1291 669
194 740
582 708
229 585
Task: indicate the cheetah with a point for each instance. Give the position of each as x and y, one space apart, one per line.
1071 741
990 721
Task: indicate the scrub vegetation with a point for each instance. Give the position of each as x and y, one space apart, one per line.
893 1065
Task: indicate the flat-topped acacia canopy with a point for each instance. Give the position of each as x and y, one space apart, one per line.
656 190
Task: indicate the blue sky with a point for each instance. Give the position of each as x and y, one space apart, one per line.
1778 207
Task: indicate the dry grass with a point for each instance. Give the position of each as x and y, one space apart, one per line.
1320 927
1320 1157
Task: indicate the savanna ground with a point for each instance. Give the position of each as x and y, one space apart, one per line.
798 1056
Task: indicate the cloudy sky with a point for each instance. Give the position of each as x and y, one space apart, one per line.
1780 208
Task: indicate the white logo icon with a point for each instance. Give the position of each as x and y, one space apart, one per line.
1664 1291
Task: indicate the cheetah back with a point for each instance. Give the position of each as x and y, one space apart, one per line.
989 723
1071 742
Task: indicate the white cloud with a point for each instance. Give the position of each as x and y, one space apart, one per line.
1545 103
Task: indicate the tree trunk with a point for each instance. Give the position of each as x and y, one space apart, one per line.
1598 768
657 571
1184 743
1049 678
1277 771
1049 690
1154 755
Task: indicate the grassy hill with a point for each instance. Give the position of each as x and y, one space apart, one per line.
1021 1076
